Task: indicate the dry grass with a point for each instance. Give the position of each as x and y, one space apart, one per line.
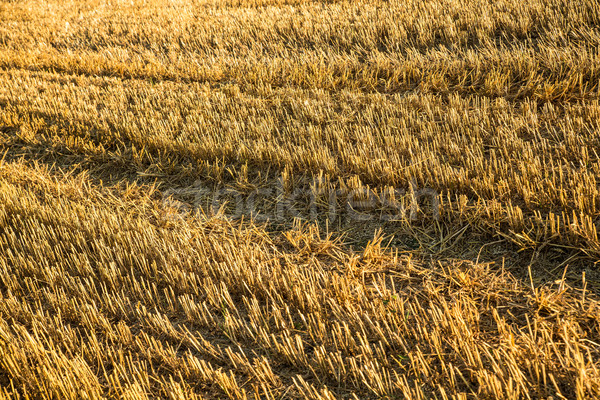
106 291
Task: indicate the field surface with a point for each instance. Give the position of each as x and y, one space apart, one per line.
290 199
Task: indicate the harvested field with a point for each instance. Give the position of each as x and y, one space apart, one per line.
300 199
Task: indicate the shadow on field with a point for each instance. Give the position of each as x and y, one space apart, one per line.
178 182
